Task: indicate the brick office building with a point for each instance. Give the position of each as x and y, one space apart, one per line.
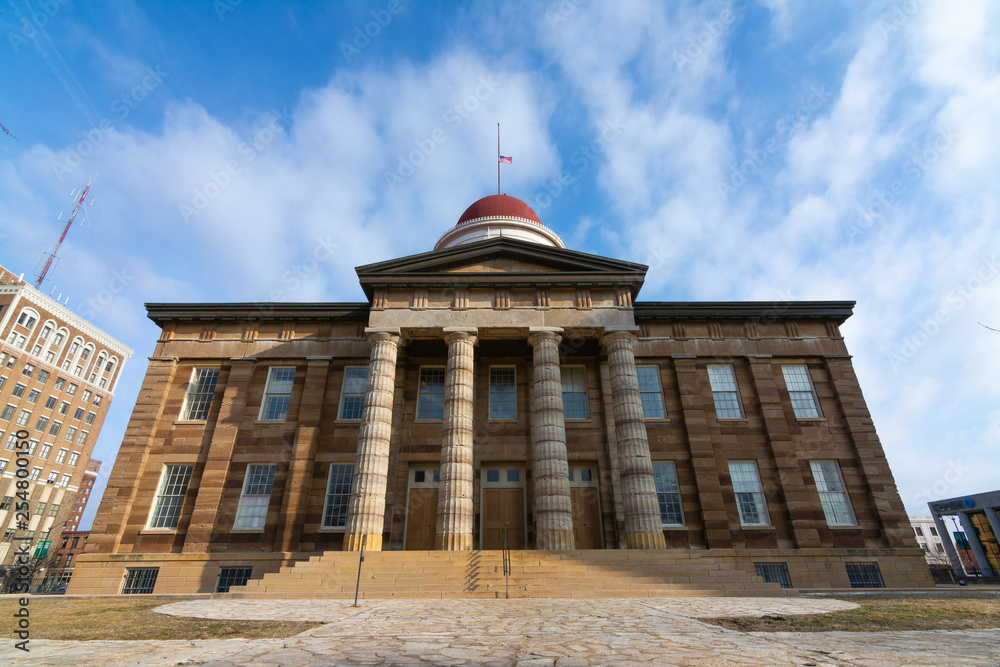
498 382
58 375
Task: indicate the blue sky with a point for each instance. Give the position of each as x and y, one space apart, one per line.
763 150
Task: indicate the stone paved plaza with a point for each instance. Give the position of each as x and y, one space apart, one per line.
525 632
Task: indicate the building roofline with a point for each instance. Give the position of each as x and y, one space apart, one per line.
838 311
258 311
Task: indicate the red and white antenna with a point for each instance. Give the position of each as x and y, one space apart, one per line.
69 223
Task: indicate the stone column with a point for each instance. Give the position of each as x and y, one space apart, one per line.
205 519
643 528
366 511
553 505
454 510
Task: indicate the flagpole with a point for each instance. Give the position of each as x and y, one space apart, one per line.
498 158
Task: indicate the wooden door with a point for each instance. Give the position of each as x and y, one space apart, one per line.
421 509
586 502
503 505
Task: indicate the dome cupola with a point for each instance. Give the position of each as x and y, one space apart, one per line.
495 216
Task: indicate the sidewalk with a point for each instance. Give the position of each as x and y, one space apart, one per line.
525 632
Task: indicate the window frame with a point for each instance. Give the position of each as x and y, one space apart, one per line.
202 399
724 392
657 478
757 495
826 494
649 392
804 390
565 370
422 395
167 507
251 503
504 403
328 495
348 398
274 405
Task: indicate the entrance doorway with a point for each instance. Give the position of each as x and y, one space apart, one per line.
421 507
502 505
587 533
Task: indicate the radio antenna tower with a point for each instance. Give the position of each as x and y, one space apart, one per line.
76 209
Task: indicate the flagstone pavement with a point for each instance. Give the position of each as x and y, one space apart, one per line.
523 633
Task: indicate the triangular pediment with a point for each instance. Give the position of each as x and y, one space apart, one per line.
502 260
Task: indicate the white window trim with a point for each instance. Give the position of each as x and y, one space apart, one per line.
585 392
736 384
340 403
760 500
326 497
187 394
844 495
680 499
811 391
155 505
244 496
267 392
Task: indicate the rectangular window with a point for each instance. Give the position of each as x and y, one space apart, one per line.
41 423
651 392
503 392
54 429
199 394
725 392
59 384
8 502
773 573
64 481
232 576
53 476
934 531
430 397
22 419
864 575
338 494
53 510
33 396
63 408
61 456
800 390
252 512
170 497
11 442
749 493
28 370
40 508
44 454
82 438
35 472
352 392
71 389
574 392
8 412
73 458
50 402
85 397
668 493
140 581
78 413
97 399
43 375
277 394
18 390
70 433
833 493
90 418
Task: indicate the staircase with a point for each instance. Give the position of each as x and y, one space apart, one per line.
537 574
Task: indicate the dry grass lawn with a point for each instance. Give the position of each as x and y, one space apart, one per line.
884 613
82 619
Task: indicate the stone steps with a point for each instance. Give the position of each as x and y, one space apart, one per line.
543 574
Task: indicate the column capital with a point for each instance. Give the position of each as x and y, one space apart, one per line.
453 334
381 335
619 336
538 335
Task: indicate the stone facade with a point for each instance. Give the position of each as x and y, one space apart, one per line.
497 389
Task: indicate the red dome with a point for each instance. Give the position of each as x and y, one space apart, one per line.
498 206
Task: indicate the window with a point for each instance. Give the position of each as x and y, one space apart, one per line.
773 573
749 493
22 419
933 531
3 381
35 472
277 394
43 376
73 458
70 433
199 394
61 456
833 493
40 508
503 396
232 576
574 392
82 438
33 396
651 392
74 347
140 581
86 396
11 441
44 454
170 497
64 408
7 413
28 370
50 402
71 389
26 320
864 575
59 384
8 502
64 481
725 393
338 494
3 464
53 510
668 493
10 362
18 390
918 531
352 392
800 390
78 414
97 399
252 512
90 418
69 560
54 429
430 397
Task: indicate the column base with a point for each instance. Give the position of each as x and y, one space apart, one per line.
554 540
645 541
352 542
453 542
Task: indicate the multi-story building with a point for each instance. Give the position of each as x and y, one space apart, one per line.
62 559
979 516
500 389
928 539
58 375
90 473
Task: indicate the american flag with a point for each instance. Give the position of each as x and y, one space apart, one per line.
506 160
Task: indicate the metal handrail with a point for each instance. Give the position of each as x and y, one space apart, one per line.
361 560
506 563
